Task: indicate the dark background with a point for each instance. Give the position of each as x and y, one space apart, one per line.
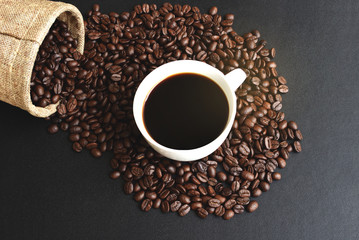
47 191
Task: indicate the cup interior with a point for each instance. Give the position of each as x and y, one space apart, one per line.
177 67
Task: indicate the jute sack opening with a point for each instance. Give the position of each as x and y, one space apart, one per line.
23 26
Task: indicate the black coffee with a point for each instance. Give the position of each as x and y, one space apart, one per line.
186 111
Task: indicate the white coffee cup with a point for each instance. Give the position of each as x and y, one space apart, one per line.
228 83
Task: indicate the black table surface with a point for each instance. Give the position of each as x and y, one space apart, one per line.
47 191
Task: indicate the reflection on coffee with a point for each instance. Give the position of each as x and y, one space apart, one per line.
185 111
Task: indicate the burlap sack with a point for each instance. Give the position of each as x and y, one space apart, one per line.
23 26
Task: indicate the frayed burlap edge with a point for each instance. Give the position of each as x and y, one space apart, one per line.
23 26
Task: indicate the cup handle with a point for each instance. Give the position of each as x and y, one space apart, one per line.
235 78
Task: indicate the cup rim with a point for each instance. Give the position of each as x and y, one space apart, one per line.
139 102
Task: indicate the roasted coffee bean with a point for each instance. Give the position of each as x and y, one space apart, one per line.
213 11
58 88
183 210
282 125
146 205
219 211
238 209
151 195
272 52
196 205
264 186
202 213
267 143
298 135
74 137
292 125
231 161
230 203
115 174
226 192
128 187
269 177
252 206
243 201
53 128
157 203
270 167
255 183
201 167
244 193
219 187
284 153
212 181
76 146
246 110
228 214
229 16
283 89
139 196
244 148
276 176
202 177
137 171
201 56
175 206
64 126
221 176
214 202
165 206
281 162
96 152
247 175
297 146
71 105
211 171
256 192
277 106
221 198
184 199
289 149
235 186
39 90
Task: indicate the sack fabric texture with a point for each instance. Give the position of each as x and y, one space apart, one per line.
23 26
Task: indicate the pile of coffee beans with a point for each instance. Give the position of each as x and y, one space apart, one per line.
97 91
53 61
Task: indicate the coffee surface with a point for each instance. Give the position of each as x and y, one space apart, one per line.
186 111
